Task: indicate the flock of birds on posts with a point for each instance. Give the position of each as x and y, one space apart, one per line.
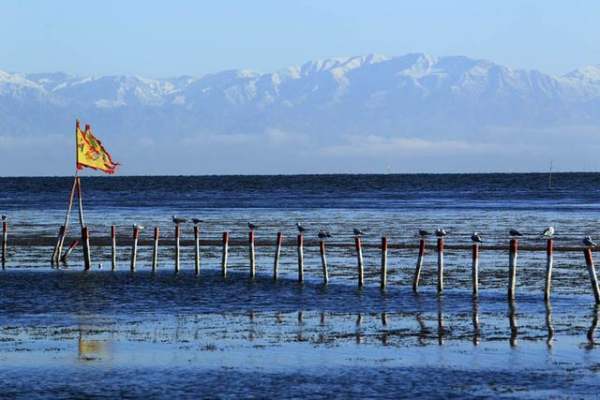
440 233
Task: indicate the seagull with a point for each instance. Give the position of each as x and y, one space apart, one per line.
589 242
548 232
476 238
301 229
252 226
197 221
178 221
140 227
100 266
4 218
323 234
440 232
358 232
514 232
423 233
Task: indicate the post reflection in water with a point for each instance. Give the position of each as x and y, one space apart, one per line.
384 335
423 331
592 330
441 328
476 325
512 320
252 330
300 334
549 325
359 328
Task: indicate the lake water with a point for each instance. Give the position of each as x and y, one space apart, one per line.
69 334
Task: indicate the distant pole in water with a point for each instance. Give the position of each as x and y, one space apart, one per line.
359 259
475 269
4 242
69 250
550 176
134 247
549 259
592 272
155 249
177 246
225 254
85 236
300 243
324 261
440 271
113 237
196 249
512 268
384 249
278 243
252 253
419 266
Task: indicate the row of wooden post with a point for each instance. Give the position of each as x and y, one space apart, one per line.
512 264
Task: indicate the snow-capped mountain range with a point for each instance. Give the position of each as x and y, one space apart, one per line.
412 97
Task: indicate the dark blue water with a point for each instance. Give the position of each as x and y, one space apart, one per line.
69 334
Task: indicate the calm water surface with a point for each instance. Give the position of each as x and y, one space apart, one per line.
69 334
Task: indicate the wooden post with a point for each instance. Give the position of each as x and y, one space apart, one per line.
225 254
55 253
278 244
155 249
251 245
419 265
512 268
113 248
177 247
85 238
549 259
440 270
300 258
197 249
384 249
4 243
134 247
475 269
359 259
592 272
324 262
70 249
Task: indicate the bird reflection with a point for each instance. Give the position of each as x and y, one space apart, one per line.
549 325
476 325
512 320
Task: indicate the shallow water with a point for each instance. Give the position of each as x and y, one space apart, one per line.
69 334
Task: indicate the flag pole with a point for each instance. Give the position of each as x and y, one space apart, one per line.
85 235
63 229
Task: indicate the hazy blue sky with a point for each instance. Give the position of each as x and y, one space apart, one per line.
158 38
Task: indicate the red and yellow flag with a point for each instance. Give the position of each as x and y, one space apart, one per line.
91 153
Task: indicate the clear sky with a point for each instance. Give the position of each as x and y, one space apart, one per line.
167 38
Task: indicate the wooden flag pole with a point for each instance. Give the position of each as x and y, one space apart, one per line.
85 235
63 231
